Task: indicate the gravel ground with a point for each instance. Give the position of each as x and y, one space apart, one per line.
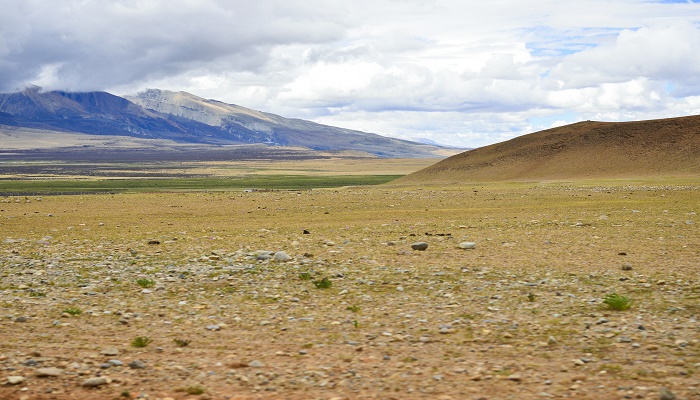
323 295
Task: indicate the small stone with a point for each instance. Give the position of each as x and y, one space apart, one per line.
552 341
137 364
48 372
256 364
116 363
420 246
213 327
446 329
515 377
146 291
281 256
109 351
95 382
15 380
467 245
665 394
627 267
21 319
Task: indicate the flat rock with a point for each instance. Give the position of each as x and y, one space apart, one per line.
137 364
95 382
47 372
109 351
420 246
467 245
15 380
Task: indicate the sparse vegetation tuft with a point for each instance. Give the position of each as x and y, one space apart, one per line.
141 341
305 276
617 302
73 311
194 390
145 282
324 283
182 342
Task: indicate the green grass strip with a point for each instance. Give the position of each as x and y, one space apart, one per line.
282 182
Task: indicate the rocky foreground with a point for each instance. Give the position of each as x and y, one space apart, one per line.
488 292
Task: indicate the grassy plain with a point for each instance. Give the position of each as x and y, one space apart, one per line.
51 177
520 316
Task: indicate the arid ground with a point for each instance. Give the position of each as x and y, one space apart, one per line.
353 311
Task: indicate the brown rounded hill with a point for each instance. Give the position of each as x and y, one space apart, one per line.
584 150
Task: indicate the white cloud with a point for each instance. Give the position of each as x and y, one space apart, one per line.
459 72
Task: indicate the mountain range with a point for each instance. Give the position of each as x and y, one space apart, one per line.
584 150
185 118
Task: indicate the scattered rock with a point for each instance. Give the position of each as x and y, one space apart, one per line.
515 377
256 364
109 351
665 394
137 364
420 246
281 256
95 382
48 372
467 245
15 380
627 267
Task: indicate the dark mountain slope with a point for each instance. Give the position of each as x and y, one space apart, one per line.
185 118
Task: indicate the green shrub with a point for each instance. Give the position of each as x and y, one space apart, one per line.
141 341
145 283
324 283
305 276
617 302
73 311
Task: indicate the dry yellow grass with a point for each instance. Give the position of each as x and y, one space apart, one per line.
518 316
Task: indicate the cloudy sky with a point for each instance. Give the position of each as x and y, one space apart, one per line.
459 72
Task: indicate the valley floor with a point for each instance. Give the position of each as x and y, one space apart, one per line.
520 316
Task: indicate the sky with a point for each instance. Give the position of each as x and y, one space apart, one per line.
458 72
